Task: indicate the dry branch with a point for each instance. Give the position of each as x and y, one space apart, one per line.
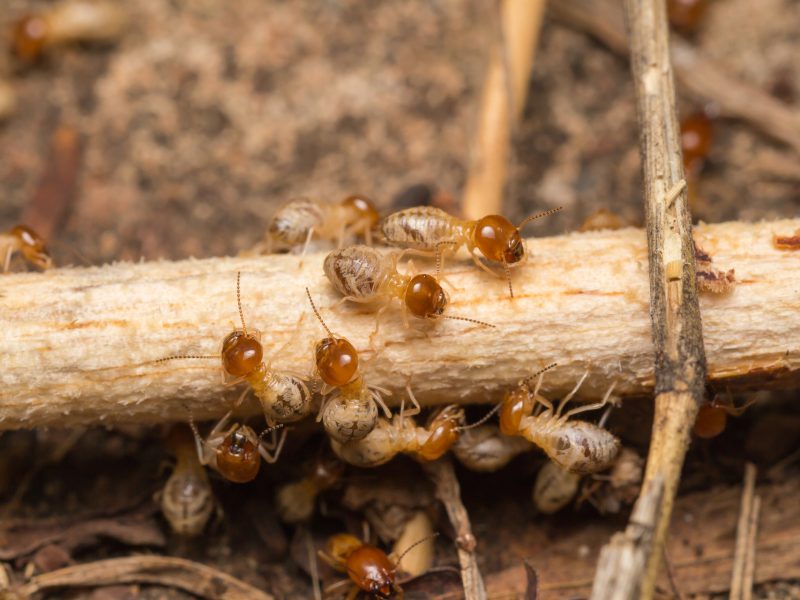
680 362
78 344
502 101
700 76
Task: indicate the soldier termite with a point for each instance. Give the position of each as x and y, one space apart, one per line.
366 276
368 567
284 397
432 230
295 501
68 22
186 500
236 452
485 449
577 446
299 220
28 243
350 412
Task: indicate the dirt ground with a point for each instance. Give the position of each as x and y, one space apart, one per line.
182 138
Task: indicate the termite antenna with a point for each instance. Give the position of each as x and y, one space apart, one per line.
467 319
269 430
239 300
538 374
483 419
507 270
182 356
316 312
546 213
414 545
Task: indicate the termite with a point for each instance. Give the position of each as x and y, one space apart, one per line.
364 275
67 22
390 438
577 446
697 136
186 500
368 567
712 418
28 243
686 15
351 411
236 452
554 488
432 230
295 501
485 449
284 397
299 220
608 493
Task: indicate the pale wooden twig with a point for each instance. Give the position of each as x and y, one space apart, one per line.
739 589
502 101
695 73
78 345
195 578
680 364
448 492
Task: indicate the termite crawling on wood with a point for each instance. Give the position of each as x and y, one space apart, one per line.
366 276
351 411
295 501
432 230
284 397
577 446
300 220
28 243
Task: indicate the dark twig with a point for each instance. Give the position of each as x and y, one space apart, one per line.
441 473
680 365
186 575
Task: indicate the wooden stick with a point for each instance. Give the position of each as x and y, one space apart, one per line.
680 363
740 555
448 492
696 74
78 345
502 102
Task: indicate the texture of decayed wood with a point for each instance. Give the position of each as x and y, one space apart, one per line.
701 543
78 344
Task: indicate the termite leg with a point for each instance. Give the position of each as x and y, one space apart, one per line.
477 261
594 406
374 333
376 395
332 563
417 409
7 260
272 458
569 396
306 245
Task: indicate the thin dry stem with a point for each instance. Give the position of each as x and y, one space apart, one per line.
742 554
502 101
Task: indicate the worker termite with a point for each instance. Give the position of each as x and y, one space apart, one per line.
299 220
350 413
554 488
28 243
368 567
295 501
432 230
68 22
284 397
390 438
485 449
608 493
236 452
364 275
577 446
712 418
186 500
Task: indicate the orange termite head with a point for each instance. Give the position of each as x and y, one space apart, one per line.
337 361
372 571
425 297
238 459
516 404
242 353
29 37
711 420
32 246
444 430
326 471
499 239
360 209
